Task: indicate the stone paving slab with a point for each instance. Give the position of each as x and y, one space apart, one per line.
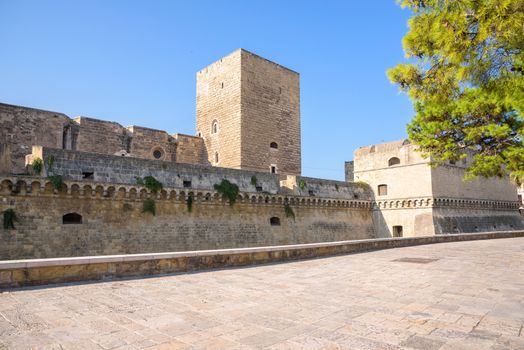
470 297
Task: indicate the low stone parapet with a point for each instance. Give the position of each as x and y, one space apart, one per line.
19 273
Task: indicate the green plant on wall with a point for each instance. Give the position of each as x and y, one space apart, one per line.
289 211
362 184
37 164
228 190
50 161
58 182
189 202
150 183
336 187
302 185
9 219
149 206
254 180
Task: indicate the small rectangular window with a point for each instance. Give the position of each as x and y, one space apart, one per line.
88 175
382 190
259 189
273 169
397 231
187 184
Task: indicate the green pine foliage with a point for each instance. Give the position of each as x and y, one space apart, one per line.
228 190
466 82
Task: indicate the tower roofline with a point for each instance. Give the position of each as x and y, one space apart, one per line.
252 54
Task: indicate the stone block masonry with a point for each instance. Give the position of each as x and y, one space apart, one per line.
109 219
45 271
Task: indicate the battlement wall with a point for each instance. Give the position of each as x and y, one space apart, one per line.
73 165
113 221
314 187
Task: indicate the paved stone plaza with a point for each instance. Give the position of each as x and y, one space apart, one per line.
464 295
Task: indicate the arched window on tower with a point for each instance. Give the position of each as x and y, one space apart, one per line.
214 127
273 145
216 157
393 161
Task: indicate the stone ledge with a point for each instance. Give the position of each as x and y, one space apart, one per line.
19 273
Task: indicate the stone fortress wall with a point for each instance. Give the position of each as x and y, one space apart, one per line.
22 127
423 200
112 222
248 132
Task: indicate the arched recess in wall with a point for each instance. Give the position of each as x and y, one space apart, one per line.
216 157
273 145
274 221
72 219
214 127
393 161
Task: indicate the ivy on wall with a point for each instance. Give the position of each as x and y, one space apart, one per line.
9 219
228 190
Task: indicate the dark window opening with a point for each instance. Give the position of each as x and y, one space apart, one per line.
222 85
259 188
88 175
382 190
355 196
66 138
397 231
273 169
216 157
214 127
273 145
72 219
274 221
393 161
157 154
187 184
311 193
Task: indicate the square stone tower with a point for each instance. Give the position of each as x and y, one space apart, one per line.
248 112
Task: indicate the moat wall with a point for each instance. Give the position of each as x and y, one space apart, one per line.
113 221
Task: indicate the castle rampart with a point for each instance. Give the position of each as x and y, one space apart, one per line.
112 221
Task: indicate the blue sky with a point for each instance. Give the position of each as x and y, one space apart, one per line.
134 62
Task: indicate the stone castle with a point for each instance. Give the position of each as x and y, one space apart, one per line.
247 132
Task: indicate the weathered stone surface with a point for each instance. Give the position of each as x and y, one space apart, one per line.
424 200
358 301
45 271
113 221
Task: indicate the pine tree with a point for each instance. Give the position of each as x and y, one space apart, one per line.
466 80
